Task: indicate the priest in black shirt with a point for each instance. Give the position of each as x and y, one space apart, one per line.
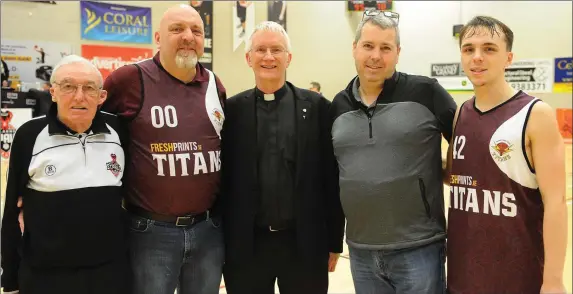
276 147
283 220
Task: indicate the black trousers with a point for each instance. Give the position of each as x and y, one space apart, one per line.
109 278
276 259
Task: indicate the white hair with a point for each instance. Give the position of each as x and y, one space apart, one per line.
268 26
69 59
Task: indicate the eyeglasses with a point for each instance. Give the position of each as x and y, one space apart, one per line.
262 51
69 88
390 14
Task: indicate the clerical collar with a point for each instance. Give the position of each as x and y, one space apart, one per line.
278 95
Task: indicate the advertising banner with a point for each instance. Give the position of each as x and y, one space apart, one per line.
243 21
451 76
10 121
205 9
277 12
531 76
563 75
110 58
32 62
116 23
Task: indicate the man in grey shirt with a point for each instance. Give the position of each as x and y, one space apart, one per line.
387 131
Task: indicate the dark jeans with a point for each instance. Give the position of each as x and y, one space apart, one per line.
276 260
165 257
404 271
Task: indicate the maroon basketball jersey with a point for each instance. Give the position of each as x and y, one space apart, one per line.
175 144
495 219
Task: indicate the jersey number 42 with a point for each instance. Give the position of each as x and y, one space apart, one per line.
459 144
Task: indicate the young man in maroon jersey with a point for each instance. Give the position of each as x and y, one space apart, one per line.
507 225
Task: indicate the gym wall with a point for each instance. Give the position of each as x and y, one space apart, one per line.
322 33
61 22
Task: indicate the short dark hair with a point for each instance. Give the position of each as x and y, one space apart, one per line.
490 23
315 85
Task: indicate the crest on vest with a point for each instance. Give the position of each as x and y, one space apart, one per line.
501 150
113 166
213 104
218 115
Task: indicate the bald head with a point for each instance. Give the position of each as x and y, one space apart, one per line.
180 38
177 11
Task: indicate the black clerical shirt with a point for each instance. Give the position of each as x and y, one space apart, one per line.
276 149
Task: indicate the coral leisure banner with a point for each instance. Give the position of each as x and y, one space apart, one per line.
563 75
108 58
116 23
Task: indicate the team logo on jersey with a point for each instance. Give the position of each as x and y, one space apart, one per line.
218 116
50 170
113 166
501 150
7 132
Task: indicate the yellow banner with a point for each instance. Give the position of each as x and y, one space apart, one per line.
16 58
562 87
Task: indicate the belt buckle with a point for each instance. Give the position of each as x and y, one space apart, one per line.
183 218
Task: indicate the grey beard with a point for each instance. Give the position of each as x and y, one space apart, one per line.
186 62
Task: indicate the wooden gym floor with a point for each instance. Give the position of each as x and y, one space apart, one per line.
341 279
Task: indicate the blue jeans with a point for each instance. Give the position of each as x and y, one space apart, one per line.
164 256
412 270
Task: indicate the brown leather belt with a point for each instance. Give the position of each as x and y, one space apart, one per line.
180 221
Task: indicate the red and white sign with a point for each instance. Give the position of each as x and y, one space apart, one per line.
10 120
108 58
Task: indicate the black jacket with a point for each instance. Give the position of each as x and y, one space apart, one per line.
71 189
390 162
319 220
